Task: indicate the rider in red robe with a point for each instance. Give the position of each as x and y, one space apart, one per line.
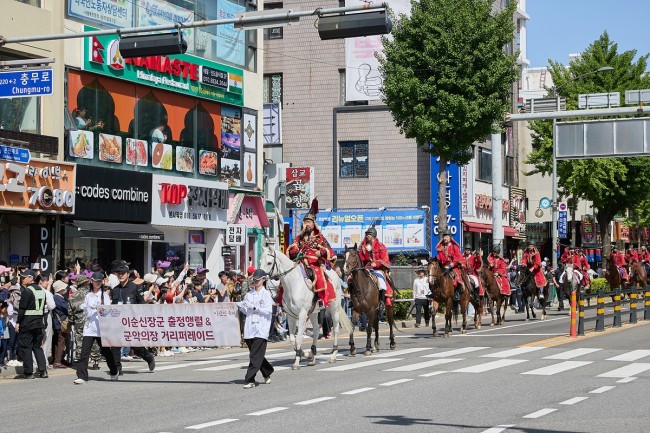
316 254
497 265
532 260
473 263
645 258
374 255
566 256
450 257
632 256
617 258
580 262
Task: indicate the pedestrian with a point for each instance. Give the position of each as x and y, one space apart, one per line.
91 332
420 291
60 323
31 323
258 307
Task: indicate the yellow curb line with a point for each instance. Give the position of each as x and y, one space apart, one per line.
558 341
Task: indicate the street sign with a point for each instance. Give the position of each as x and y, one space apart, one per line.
23 84
562 220
14 154
545 203
236 234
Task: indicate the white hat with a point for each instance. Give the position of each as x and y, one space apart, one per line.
161 281
59 286
113 281
150 278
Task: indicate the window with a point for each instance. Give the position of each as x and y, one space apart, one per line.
273 32
484 164
20 114
36 3
272 89
354 159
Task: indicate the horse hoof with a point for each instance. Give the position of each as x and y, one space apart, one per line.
332 361
367 353
463 331
492 324
353 352
392 346
526 320
311 362
295 367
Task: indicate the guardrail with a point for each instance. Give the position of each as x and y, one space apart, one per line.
578 309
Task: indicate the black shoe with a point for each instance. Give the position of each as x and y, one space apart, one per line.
96 366
417 325
457 293
151 363
42 374
25 376
426 324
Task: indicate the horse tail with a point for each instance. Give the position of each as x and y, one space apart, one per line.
455 308
344 321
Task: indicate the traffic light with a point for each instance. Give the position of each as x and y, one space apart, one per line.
152 45
354 25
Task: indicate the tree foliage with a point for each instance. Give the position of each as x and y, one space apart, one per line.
612 184
447 79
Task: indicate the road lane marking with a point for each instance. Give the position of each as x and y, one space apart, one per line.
634 355
498 429
539 413
400 352
360 364
433 373
187 364
426 364
210 424
357 391
511 352
224 367
601 389
470 333
315 400
558 368
570 354
626 380
395 382
454 352
267 411
482 368
628 370
290 354
574 400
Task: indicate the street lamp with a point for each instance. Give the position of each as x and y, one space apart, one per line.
554 204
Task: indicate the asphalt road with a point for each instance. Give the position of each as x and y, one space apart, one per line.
519 377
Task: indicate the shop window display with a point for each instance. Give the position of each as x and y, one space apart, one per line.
168 252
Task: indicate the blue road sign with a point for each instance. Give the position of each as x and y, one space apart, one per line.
14 154
562 224
23 84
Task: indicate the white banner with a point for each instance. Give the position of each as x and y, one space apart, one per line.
467 189
147 325
111 13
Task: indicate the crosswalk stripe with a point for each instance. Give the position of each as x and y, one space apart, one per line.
315 400
224 367
281 355
626 380
184 365
210 424
540 413
634 355
574 400
395 382
570 354
482 368
420 365
628 370
267 411
511 352
558 368
357 391
393 353
433 373
360 364
601 389
498 429
454 352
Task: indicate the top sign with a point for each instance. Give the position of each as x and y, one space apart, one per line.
23 84
14 154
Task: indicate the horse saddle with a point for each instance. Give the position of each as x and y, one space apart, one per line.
308 275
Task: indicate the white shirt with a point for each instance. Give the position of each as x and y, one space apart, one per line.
50 305
421 288
258 308
89 307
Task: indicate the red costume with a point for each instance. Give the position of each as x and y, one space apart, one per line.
632 256
567 257
580 262
617 258
450 255
378 260
473 263
497 265
309 245
533 262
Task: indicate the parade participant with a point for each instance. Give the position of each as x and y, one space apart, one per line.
420 291
497 265
644 256
311 247
580 263
631 256
473 263
617 258
258 308
91 332
30 324
450 257
532 260
374 255
566 255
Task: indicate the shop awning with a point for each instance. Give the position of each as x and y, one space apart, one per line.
487 228
123 231
258 219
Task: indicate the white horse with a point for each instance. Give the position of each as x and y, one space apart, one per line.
570 280
297 302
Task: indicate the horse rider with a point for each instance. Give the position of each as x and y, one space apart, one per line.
374 255
619 261
473 263
450 257
532 260
580 262
497 265
311 247
631 256
645 259
566 255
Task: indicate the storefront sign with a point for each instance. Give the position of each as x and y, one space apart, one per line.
105 194
189 202
111 13
588 232
182 74
226 251
518 211
152 325
483 202
39 186
14 154
247 209
236 234
452 199
23 84
300 187
467 188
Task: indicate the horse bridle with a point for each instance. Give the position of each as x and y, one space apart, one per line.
275 265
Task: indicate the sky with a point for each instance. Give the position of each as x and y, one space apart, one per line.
558 28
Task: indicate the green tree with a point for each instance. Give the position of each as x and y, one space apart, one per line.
447 79
612 184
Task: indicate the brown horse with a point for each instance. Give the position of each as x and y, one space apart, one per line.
493 293
364 294
442 289
613 276
638 277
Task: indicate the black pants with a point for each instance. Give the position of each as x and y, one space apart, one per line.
138 351
30 342
257 350
325 321
422 304
86 345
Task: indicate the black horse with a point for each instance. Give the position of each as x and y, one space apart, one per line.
529 291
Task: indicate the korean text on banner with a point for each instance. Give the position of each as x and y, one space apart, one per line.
300 188
144 325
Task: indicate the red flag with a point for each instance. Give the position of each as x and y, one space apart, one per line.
96 49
